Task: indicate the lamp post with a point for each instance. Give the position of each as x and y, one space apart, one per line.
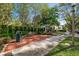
73 25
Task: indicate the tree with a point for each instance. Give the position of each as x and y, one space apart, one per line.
36 22
37 12
71 19
22 10
5 14
49 17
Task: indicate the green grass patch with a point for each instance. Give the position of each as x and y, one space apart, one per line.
65 49
58 33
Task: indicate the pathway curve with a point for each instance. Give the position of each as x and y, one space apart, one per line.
39 48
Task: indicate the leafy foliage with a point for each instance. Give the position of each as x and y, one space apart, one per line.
50 16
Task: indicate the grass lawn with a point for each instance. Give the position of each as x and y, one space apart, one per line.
64 48
58 33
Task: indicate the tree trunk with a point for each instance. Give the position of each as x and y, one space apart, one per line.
7 31
12 35
73 26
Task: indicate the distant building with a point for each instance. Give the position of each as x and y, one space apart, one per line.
54 27
58 28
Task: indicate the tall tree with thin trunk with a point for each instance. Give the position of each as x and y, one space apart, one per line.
69 10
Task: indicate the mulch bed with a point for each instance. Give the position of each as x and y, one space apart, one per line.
24 41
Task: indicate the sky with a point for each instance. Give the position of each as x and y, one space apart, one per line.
52 4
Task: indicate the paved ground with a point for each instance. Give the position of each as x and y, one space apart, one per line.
76 35
39 48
